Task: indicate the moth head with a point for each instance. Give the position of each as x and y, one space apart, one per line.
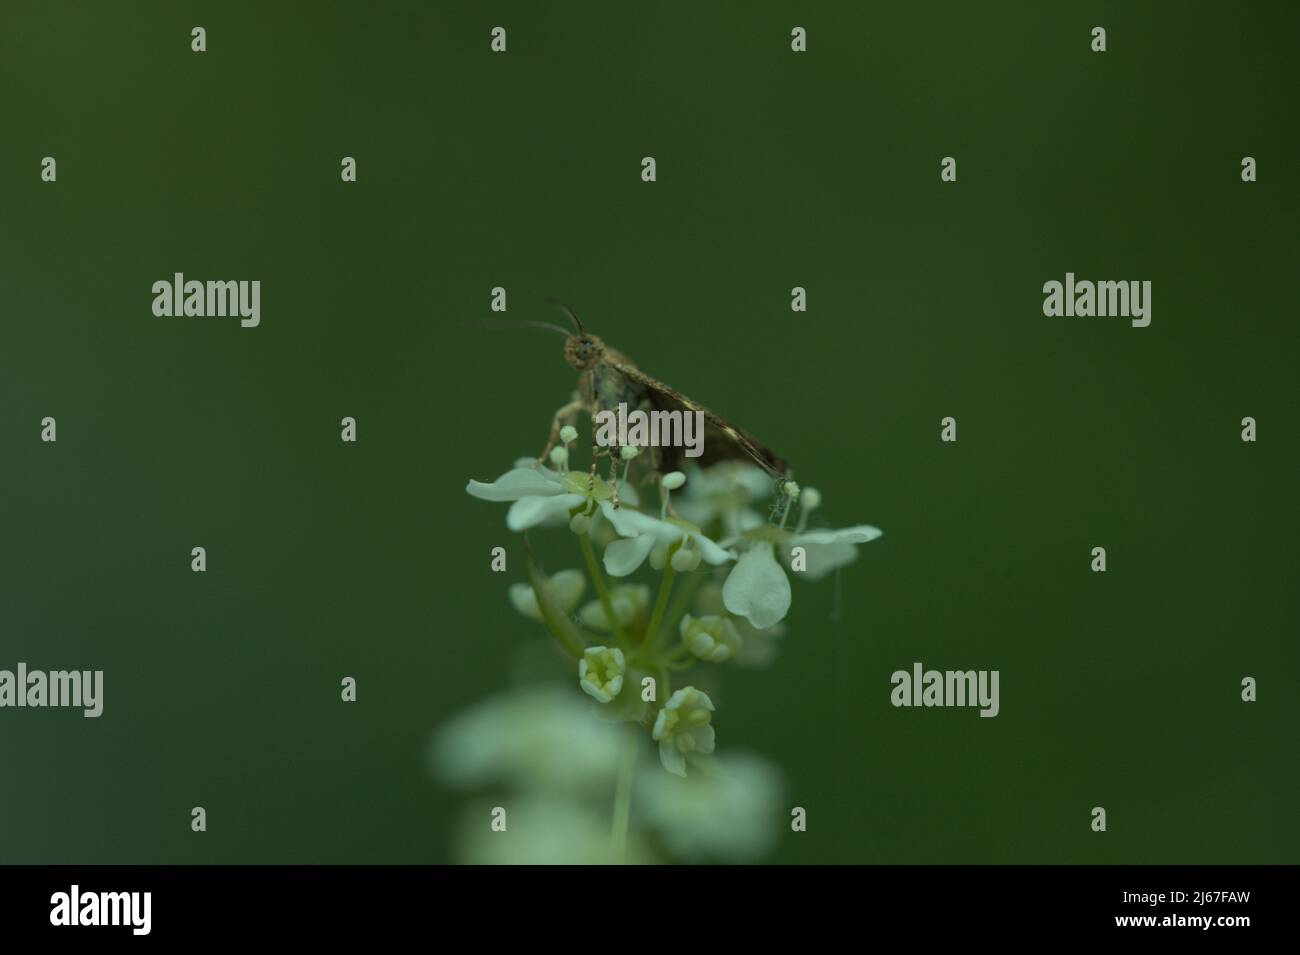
583 351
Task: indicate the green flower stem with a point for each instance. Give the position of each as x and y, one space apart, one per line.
623 800
678 657
685 594
559 625
598 580
661 603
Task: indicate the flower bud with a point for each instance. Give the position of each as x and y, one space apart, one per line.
628 601
711 638
565 588
600 672
684 726
685 559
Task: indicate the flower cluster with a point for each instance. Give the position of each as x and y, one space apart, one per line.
724 581
536 751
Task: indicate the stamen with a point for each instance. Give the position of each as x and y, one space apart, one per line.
671 482
791 491
809 501
628 453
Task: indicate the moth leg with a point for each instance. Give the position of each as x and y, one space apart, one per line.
613 473
650 461
595 449
566 415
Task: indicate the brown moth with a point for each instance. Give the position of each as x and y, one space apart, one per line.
608 378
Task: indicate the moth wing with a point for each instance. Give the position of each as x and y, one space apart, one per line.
723 441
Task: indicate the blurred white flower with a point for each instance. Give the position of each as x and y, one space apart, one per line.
628 601
728 809
721 490
828 550
824 550
539 738
684 727
565 587
541 830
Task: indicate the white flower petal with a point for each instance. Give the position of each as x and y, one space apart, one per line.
530 511
757 588
861 534
628 601
704 738
626 554
672 757
539 469
524 601
567 586
632 523
711 552
822 559
511 486
756 482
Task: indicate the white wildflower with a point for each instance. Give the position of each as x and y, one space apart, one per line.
565 588
600 673
684 726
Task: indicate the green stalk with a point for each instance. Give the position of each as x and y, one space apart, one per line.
598 580
623 801
558 623
661 603
679 659
685 594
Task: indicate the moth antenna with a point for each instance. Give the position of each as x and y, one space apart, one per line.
568 311
518 322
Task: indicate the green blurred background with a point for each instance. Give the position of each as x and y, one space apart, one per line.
774 170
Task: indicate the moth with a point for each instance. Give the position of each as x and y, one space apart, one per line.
608 378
